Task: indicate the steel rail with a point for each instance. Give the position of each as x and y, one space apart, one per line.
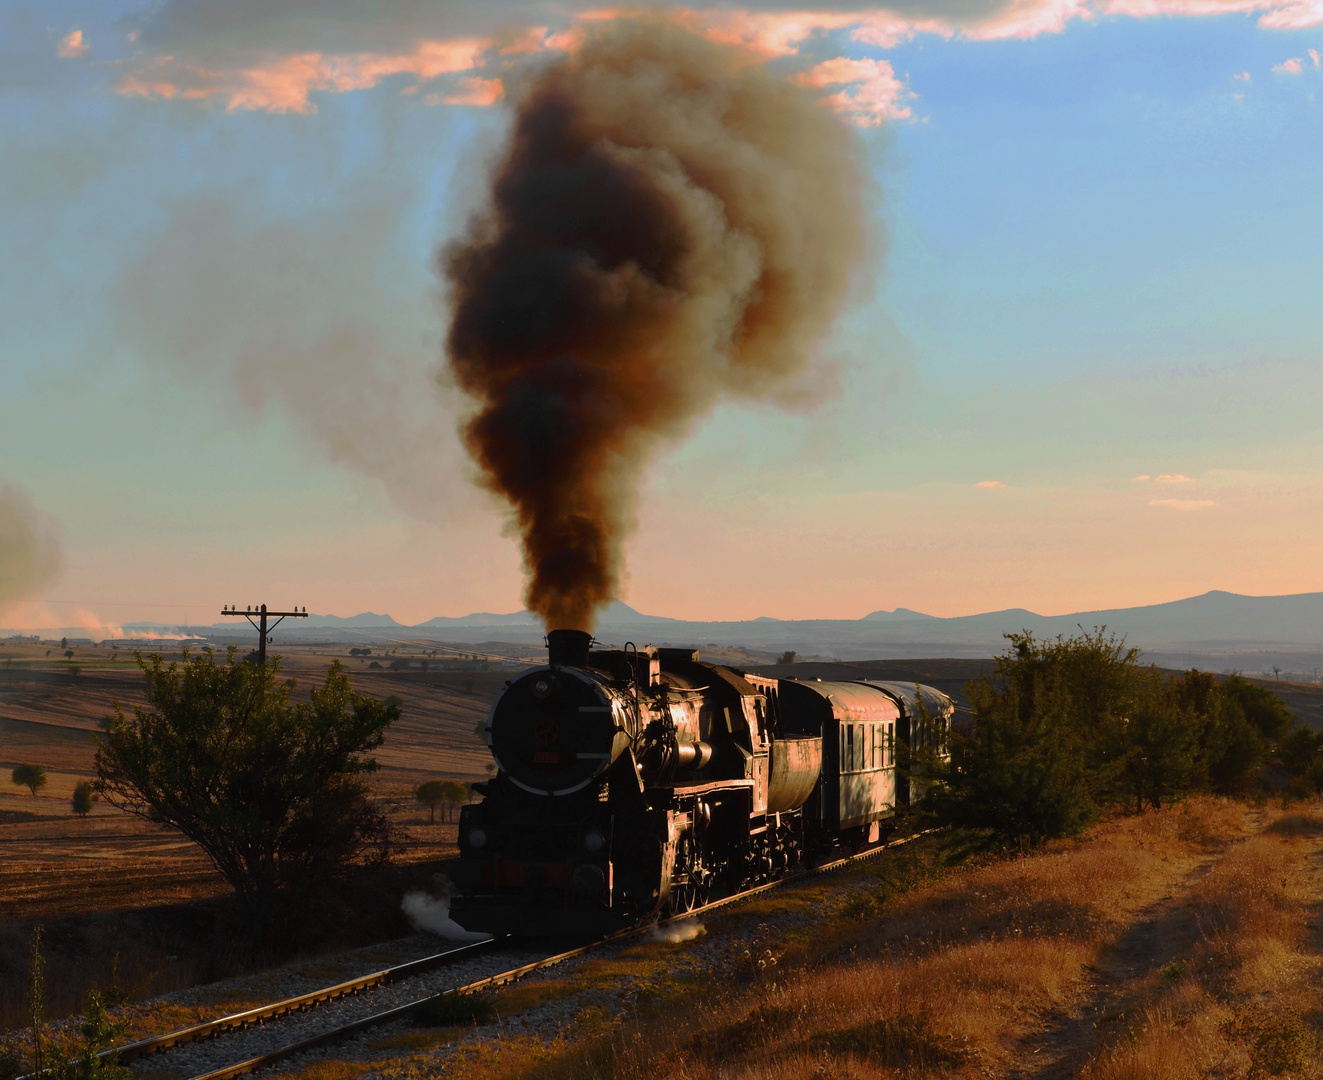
238 1021
229 1072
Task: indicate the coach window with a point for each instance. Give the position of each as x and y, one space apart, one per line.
891 743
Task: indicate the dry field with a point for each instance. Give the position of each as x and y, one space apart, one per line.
1180 945
112 883
54 863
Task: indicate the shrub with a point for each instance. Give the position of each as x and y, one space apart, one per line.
431 794
1065 728
83 797
29 776
1035 765
273 791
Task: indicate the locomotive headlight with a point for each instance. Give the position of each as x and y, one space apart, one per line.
477 838
593 841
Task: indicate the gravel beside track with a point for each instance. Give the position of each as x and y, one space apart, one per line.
196 1058
233 1046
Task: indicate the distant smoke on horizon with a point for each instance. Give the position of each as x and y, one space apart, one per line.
29 551
671 224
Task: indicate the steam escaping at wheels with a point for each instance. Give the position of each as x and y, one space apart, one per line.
670 225
640 783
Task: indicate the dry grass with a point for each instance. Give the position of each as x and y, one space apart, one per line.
112 884
1176 944
1247 1003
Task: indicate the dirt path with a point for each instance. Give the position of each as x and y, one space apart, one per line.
1153 949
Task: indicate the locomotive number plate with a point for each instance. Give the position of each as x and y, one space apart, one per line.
546 757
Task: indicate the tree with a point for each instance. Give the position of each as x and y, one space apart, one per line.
273 791
1045 747
1231 748
787 657
83 1059
1270 715
1160 748
83 797
1301 754
455 795
29 776
1021 777
431 794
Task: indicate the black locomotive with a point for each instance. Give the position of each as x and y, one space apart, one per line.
638 782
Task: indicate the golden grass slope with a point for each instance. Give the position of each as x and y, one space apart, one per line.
1179 944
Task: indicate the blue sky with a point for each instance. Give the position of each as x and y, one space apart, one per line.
1100 255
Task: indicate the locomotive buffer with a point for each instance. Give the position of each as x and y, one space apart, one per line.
261 626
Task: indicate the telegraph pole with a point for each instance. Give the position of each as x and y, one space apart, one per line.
261 625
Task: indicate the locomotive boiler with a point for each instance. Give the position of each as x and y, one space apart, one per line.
637 782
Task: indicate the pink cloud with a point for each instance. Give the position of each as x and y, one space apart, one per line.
283 85
72 46
471 91
1244 76
1173 478
1289 67
867 91
1313 55
989 484
1183 504
1141 478
872 92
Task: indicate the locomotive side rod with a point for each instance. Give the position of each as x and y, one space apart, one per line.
242 1068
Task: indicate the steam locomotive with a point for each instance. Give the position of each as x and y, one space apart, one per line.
634 782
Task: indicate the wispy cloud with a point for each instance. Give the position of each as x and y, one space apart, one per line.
1243 76
1289 67
471 91
274 57
989 484
1141 478
872 93
1183 504
72 46
283 84
1173 478
1313 55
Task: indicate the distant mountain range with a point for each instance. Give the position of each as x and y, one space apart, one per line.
1217 629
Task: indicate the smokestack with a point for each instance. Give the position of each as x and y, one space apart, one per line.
568 648
671 224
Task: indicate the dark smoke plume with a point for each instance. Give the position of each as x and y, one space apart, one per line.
670 223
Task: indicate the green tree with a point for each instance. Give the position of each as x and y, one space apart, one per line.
787 657
431 794
273 791
1265 710
29 776
454 795
1046 744
1159 756
1301 754
1231 748
84 1060
83 797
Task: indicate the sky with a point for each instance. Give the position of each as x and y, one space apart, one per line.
1080 370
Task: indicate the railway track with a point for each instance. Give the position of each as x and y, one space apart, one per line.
240 1021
